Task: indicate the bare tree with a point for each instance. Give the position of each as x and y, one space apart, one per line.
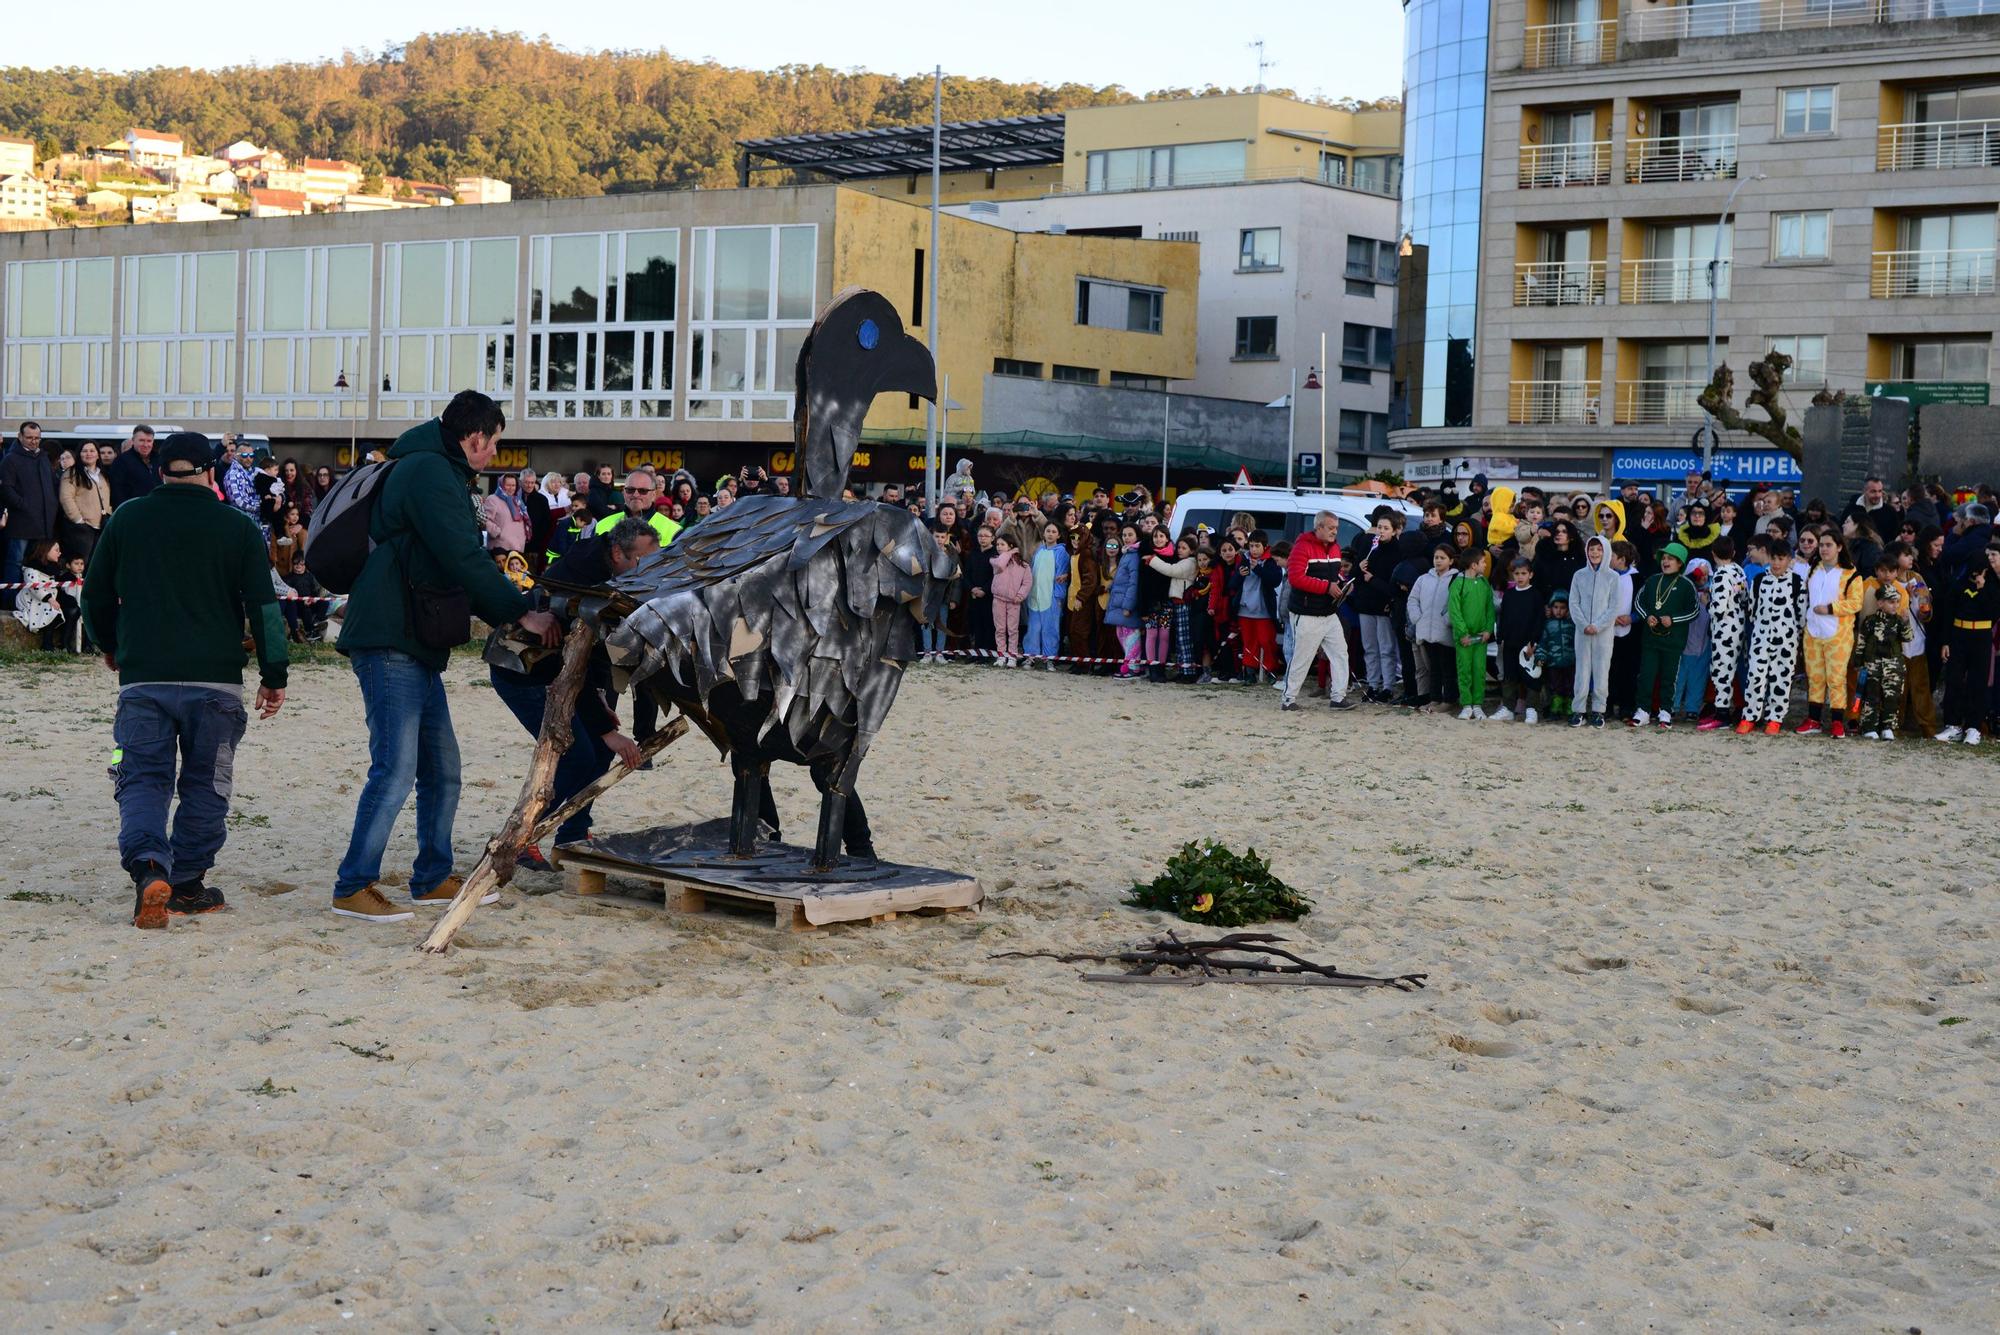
1767 375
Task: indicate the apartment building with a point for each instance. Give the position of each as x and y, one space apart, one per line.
23 199
1586 179
658 328
17 156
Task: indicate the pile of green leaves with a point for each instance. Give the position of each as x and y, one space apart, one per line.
1212 885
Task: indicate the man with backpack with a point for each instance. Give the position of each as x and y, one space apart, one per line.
409 607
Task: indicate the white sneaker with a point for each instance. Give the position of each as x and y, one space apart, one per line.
1872 736
1951 734
1478 715
1666 719
1888 735
1531 716
1972 736
1642 718
1465 713
1502 715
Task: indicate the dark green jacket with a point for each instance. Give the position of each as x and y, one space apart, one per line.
170 584
1669 596
426 531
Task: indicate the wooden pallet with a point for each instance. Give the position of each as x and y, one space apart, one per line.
793 908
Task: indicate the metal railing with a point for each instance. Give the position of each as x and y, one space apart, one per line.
1551 45
1670 280
1553 402
1935 145
1643 401
1682 157
1234 176
1559 283
1932 273
1547 165
1748 16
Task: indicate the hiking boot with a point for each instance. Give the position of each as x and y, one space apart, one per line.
149 900
193 898
447 890
531 859
368 905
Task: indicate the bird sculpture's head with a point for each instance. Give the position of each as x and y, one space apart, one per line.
856 350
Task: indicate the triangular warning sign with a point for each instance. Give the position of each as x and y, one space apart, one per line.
1242 477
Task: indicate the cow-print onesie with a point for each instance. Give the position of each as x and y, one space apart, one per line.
1777 621
1728 618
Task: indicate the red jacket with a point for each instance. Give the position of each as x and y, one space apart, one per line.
1307 547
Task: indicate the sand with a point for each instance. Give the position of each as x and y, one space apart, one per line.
1691 1056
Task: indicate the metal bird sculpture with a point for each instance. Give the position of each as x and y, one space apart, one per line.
781 625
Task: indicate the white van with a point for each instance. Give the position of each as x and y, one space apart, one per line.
1285 512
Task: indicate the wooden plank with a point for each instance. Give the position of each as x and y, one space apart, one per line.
586 880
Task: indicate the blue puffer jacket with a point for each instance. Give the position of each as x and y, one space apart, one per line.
1122 608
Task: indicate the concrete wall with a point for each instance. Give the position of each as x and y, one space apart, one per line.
1247 433
1959 443
1246 116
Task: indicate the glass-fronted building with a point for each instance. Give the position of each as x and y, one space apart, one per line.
1444 128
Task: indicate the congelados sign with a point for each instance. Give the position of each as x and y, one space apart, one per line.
1729 465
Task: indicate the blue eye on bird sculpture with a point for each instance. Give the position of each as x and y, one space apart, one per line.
868 335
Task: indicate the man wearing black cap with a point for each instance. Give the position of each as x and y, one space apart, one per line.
171 582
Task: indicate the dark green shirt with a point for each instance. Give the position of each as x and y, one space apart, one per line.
427 532
170 584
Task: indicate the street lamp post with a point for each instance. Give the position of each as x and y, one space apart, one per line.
1714 276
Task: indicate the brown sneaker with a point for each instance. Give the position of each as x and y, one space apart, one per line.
447 890
368 905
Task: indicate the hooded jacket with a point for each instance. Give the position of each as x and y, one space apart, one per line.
1121 608
1503 525
1430 607
1596 592
426 530
1557 645
1012 578
1470 608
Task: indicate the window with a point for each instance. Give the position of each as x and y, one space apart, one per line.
1370 259
1359 288
1356 375
307 316
750 305
1258 249
1366 345
917 290
1257 338
1800 236
1009 366
1948 359
1103 305
1134 380
1364 432
1383 176
448 312
1073 375
601 325
58 325
1157 168
177 357
1805 111
1808 354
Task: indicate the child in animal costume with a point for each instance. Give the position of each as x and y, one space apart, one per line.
1777 619
1879 636
1692 684
1664 608
1624 691
1471 612
1595 597
1555 651
1919 709
1728 618
1835 589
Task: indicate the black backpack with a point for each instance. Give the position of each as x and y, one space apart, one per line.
337 541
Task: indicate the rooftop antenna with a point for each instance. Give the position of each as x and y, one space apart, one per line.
1262 63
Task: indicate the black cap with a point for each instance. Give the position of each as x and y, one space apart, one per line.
192 451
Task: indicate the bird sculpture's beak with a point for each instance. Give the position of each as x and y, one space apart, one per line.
909 370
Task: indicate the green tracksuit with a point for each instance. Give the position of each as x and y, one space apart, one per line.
1671 597
1470 609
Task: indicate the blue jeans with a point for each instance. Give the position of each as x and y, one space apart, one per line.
582 765
10 572
410 743
931 637
157 724
1692 684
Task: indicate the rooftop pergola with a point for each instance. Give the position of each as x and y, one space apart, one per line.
858 155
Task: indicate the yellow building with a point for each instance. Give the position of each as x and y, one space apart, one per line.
1235 137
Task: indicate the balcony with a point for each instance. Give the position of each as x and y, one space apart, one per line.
1559 283
1650 401
1937 145
1748 16
1931 273
1554 45
1545 166
1553 402
1685 157
1670 280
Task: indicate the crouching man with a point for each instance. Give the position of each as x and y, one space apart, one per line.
170 584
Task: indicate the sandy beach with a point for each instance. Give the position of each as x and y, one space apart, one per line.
1711 1042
